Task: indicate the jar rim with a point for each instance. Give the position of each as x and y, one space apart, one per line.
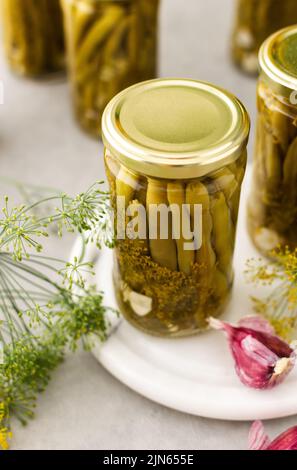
175 128
275 71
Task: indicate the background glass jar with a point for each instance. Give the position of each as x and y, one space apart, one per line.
33 36
255 21
176 145
111 45
272 208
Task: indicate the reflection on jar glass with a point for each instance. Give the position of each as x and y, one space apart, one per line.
175 156
33 36
272 209
111 45
255 21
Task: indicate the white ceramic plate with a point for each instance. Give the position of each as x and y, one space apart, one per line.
194 375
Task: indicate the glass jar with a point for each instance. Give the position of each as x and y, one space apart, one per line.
33 36
272 208
175 156
112 44
255 21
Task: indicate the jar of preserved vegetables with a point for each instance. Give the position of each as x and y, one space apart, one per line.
33 36
112 44
175 156
272 208
255 21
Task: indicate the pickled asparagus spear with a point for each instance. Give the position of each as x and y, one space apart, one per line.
110 82
212 278
126 185
176 196
162 251
97 34
112 168
273 163
235 199
280 128
138 231
290 174
222 233
226 182
196 193
260 157
238 168
114 41
142 191
82 19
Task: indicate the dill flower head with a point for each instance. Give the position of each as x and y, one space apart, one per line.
46 307
280 306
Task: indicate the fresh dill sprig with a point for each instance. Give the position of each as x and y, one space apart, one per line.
280 306
74 273
46 306
31 357
21 229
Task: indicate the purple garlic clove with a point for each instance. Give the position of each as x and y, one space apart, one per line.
258 439
262 359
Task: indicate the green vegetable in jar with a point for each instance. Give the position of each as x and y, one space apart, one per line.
272 205
178 288
255 21
175 156
33 36
112 44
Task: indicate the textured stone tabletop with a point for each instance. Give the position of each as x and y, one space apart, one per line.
84 407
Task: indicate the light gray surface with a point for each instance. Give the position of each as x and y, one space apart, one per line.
84 407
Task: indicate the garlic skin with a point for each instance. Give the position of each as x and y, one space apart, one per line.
259 440
262 360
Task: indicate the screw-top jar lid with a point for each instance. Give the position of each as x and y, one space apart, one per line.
278 60
175 128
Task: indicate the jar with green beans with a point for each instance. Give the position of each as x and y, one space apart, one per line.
175 156
112 44
255 21
272 208
33 36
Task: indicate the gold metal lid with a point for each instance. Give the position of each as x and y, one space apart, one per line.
278 61
175 128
